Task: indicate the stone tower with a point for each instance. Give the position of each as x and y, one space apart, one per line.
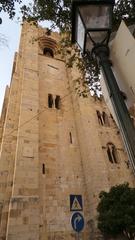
54 144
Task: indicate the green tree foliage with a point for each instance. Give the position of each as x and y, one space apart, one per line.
56 11
117 211
8 6
59 12
124 9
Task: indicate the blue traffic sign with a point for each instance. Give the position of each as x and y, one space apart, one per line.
76 203
77 221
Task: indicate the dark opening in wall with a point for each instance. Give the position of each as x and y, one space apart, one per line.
102 118
105 118
50 100
70 137
112 153
57 102
109 155
43 168
48 52
54 101
127 163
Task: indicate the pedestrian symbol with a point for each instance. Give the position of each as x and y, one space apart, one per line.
76 203
77 222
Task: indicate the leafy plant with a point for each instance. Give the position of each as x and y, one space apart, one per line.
117 211
8 6
58 12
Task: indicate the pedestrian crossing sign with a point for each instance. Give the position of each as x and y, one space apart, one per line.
76 203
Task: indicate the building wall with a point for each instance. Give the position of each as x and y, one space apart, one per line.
49 153
3 113
123 55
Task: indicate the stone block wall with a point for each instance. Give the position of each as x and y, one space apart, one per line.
54 144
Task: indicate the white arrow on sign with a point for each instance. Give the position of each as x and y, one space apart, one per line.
77 220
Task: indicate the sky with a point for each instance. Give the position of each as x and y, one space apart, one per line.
9 30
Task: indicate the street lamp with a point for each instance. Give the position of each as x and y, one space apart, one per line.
91 28
91 22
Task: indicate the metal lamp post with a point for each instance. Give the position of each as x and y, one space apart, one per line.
91 28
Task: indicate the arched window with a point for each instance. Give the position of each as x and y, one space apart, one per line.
47 45
112 153
48 52
102 118
54 101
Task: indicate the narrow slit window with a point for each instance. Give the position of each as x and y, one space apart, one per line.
57 102
100 120
105 119
109 155
70 137
43 168
50 100
112 153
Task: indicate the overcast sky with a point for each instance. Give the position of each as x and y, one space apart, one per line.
9 30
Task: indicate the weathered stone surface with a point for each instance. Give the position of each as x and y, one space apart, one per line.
49 153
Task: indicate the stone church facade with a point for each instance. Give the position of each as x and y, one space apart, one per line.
54 144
